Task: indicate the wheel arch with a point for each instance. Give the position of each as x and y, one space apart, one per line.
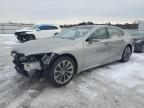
129 45
33 36
72 57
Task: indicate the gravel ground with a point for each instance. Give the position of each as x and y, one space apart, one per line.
116 85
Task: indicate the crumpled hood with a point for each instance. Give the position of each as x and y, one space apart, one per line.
42 45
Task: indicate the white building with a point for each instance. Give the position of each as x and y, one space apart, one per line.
9 28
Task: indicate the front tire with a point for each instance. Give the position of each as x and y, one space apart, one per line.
62 71
126 54
21 38
30 37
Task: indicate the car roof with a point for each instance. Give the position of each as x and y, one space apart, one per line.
47 25
95 26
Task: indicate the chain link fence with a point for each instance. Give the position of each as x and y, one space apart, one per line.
10 28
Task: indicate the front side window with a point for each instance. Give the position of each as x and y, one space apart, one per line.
99 34
115 32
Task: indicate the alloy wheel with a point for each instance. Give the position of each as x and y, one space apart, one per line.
127 53
63 71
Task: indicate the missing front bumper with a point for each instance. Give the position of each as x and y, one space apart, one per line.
38 63
32 66
20 70
25 68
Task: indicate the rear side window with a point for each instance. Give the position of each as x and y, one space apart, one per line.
53 27
47 27
115 32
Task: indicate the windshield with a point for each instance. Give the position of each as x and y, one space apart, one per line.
34 27
73 33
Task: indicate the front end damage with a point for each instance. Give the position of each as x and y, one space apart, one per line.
32 63
21 36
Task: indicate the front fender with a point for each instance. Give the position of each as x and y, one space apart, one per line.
78 56
47 61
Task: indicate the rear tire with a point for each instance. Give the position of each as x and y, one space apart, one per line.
142 49
61 71
126 54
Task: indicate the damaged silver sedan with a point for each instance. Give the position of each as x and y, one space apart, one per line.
74 50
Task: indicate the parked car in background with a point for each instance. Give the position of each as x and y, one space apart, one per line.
138 38
37 31
72 51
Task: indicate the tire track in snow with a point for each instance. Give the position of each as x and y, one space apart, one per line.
14 90
28 96
20 89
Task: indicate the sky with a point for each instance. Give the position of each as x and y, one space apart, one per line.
71 11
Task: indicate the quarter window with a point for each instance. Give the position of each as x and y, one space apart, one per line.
114 32
99 34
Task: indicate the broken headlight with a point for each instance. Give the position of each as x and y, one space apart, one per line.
47 57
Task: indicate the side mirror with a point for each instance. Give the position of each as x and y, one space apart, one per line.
56 33
92 40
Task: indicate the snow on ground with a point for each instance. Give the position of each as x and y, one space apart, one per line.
116 85
8 39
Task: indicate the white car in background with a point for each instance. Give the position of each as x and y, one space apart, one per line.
37 32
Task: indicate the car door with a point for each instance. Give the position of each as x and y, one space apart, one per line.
51 30
116 42
96 48
45 31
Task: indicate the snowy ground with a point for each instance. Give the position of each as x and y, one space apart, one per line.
116 85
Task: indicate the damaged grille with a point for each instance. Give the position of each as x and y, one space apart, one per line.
21 58
18 58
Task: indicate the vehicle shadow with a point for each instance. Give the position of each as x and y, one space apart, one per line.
19 86
105 66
